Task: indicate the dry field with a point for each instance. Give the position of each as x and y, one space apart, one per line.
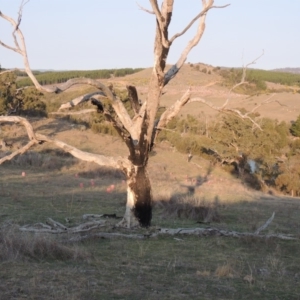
44 266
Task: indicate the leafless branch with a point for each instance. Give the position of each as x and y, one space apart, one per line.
267 101
156 9
263 227
144 9
242 116
173 110
163 17
80 112
19 151
21 121
55 227
192 43
193 21
243 79
199 232
9 47
35 138
102 160
23 3
79 100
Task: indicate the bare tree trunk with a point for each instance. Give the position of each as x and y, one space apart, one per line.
139 199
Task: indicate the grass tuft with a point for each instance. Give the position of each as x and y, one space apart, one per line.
225 270
190 207
16 245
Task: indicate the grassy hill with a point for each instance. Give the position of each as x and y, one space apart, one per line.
47 183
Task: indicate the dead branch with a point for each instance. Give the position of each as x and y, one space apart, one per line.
19 151
193 21
263 227
55 227
246 116
243 79
267 101
107 235
173 110
145 9
221 108
91 216
119 162
206 6
169 114
199 232
21 121
80 99
80 112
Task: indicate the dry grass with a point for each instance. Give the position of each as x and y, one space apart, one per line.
225 270
45 267
50 160
189 207
20 246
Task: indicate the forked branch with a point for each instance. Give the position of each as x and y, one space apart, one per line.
243 78
206 6
120 163
193 21
145 9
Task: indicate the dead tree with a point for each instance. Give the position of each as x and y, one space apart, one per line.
138 132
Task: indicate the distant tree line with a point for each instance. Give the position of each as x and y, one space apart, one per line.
273 76
45 78
258 78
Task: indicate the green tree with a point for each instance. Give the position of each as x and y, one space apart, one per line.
7 92
295 128
19 101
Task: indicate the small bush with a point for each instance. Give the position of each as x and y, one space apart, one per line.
295 128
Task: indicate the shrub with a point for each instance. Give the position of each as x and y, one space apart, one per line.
288 181
7 92
31 103
26 101
295 128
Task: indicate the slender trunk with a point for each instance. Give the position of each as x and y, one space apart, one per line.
139 199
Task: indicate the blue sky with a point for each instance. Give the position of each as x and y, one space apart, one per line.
97 34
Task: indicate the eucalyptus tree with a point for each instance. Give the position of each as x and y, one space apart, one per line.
139 131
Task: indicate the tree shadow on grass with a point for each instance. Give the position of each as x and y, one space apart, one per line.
188 205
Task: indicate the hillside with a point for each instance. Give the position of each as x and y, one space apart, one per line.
285 105
107 262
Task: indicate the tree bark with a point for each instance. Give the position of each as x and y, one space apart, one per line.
139 199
